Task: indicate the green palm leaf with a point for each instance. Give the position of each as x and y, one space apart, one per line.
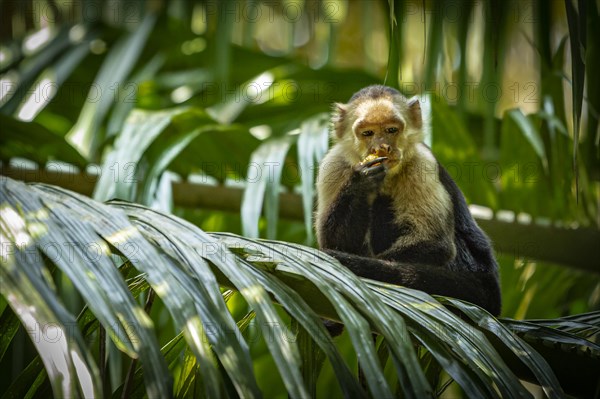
186 268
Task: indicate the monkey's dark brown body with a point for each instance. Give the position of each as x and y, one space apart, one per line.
400 219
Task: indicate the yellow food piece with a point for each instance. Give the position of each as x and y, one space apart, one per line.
370 157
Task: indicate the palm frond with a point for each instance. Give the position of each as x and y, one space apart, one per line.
186 268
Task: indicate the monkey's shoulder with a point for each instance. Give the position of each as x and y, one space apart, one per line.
339 158
335 170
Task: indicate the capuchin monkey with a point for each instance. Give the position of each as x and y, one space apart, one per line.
388 211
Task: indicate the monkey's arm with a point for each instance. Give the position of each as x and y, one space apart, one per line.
345 221
480 288
431 252
345 225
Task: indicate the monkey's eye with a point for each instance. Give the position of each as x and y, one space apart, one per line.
391 130
368 133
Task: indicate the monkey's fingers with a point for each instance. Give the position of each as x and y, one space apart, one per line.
376 169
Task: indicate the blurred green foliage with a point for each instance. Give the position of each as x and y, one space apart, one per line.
236 93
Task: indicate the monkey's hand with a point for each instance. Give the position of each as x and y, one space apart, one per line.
369 174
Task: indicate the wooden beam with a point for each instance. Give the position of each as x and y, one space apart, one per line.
578 248
186 195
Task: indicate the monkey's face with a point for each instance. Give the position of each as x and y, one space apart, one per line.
379 129
385 125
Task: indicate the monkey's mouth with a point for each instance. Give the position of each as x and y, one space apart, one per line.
392 157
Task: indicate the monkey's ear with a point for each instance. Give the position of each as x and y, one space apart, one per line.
338 119
414 113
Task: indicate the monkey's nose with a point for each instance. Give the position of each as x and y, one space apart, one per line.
386 147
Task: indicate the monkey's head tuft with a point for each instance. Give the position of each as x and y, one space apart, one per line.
379 120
